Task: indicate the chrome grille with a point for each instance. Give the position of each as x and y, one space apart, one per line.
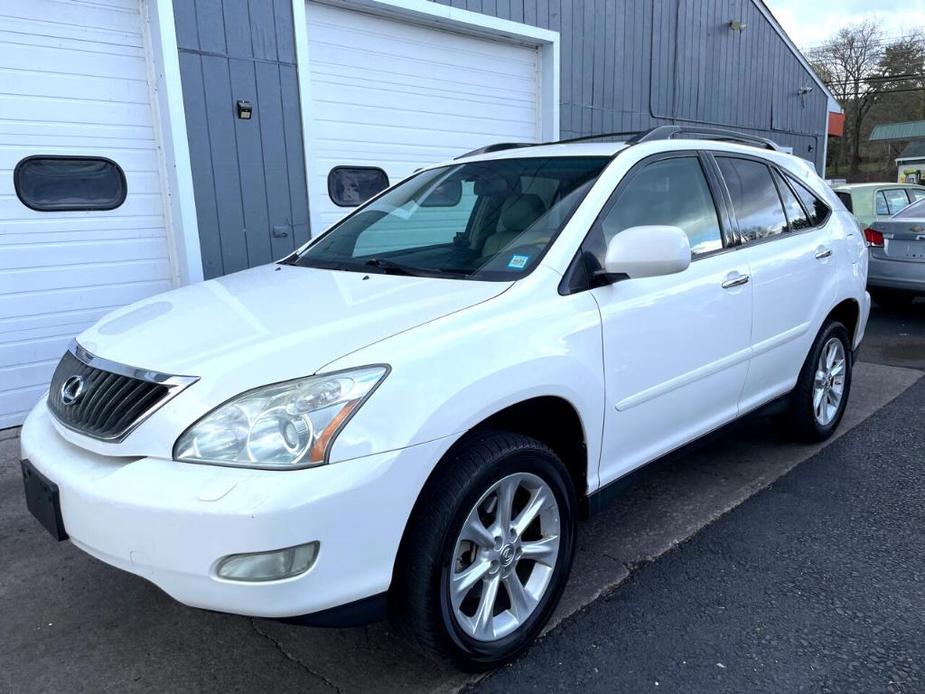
104 399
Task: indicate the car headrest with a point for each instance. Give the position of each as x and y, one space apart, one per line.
520 212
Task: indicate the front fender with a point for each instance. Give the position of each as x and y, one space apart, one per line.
451 374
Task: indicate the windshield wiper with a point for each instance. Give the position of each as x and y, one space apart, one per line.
392 268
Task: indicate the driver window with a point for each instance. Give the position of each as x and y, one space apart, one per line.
671 192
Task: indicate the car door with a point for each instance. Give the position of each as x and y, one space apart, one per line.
791 254
675 347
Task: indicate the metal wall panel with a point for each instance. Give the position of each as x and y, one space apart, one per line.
626 65
249 175
635 64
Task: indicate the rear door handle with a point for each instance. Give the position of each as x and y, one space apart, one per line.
822 253
736 281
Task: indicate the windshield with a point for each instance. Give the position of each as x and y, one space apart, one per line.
488 220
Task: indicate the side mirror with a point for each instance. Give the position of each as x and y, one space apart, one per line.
647 251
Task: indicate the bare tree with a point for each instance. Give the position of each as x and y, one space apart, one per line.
901 74
845 63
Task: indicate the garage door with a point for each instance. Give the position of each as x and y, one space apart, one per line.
392 94
74 83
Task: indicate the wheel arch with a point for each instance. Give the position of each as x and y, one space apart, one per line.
848 313
551 419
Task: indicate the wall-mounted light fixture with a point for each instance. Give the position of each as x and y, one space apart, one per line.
737 25
245 110
803 91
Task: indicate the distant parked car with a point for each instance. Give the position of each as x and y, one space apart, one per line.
897 256
870 202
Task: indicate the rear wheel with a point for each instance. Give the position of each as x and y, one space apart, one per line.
818 401
487 553
892 298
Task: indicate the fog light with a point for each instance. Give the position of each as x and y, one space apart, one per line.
269 566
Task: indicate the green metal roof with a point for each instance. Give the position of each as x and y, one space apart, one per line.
910 130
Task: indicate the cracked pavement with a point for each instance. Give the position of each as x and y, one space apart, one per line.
71 623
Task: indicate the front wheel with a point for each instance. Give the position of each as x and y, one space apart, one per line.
487 553
818 401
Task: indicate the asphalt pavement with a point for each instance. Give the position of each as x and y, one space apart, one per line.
70 623
816 584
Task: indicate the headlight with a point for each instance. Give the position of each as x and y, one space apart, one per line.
285 425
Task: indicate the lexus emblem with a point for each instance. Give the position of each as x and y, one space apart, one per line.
72 389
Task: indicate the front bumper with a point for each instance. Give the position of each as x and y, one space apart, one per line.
172 522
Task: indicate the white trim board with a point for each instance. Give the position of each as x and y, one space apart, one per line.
423 12
163 63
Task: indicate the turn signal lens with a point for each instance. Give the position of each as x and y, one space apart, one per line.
269 566
874 238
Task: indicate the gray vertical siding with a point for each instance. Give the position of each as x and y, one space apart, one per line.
626 65
248 175
633 64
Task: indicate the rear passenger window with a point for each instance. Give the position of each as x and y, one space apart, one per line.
754 198
881 207
917 194
796 215
818 210
894 200
673 192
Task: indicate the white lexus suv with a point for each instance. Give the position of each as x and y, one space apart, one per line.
409 415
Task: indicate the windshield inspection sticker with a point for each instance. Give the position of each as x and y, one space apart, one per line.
518 262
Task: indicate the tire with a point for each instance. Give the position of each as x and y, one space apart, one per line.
805 419
892 298
433 552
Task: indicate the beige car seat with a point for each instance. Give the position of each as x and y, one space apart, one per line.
517 214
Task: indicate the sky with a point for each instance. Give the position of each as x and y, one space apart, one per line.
811 22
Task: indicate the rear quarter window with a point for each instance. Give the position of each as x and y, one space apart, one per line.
845 200
817 210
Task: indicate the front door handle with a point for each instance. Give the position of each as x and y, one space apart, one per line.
736 281
822 253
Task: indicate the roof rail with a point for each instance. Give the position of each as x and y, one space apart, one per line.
661 132
585 138
671 132
497 147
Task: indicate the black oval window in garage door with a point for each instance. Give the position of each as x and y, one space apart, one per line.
53 183
350 186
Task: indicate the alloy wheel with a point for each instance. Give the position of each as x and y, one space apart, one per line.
829 381
504 557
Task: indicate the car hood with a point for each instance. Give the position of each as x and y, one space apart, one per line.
273 322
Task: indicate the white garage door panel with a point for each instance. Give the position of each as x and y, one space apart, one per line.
399 95
130 135
83 229
73 81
